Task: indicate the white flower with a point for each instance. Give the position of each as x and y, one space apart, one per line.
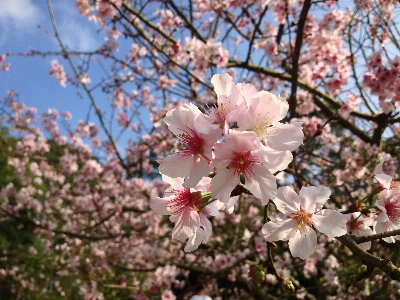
304 214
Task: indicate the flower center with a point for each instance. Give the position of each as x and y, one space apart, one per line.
263 130
183 199
303 218
243 163
353 224
192 143
393 211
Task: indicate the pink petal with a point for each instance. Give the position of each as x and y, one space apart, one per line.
384 180
176 183
186 224
222 184
176 165
200 169
207 226
275 160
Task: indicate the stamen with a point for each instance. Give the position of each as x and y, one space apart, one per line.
192 143
303 218
243 163
184 198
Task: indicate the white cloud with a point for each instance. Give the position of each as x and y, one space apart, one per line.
19 20
18 17
77 37
76 31
19 13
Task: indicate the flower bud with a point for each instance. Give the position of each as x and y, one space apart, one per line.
257 274
288 286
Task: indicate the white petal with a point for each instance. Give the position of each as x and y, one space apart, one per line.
285 137
287 201
195 240
330 222
262 184
279 231
314 197
222 84
304 243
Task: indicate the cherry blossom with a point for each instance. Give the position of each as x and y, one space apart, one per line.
360 226
198 135
386 181
189 211
303 213
388 218
238 155
263 115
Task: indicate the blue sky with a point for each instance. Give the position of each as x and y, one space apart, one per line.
29 77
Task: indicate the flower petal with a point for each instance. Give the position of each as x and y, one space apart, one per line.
304 243
222 184
287 201
314 197
279 231
186 224
330 222
176 165
285 137
195 240
262 184
200 169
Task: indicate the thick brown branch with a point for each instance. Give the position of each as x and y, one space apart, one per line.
296 56
370 260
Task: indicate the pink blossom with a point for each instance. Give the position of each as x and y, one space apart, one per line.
304 213
263 115
389 215
386 181
84 7
57 70
228 99
359 226
198 135
238 155
106 8
186 207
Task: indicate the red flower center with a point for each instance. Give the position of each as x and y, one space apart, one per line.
192 143
183 199
393 210
243 163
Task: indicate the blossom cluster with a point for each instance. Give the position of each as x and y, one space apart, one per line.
241 141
